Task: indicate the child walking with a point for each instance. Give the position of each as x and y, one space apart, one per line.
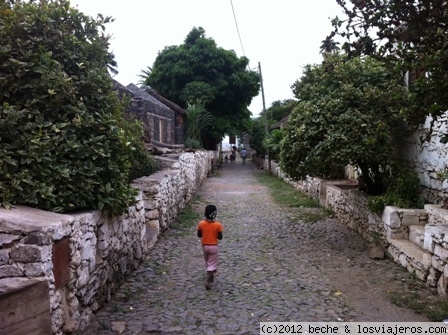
210 231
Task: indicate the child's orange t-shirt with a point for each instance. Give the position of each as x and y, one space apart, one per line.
210 230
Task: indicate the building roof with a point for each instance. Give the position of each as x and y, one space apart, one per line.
281 124
166 102
150 94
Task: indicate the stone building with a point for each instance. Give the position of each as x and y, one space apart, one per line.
162 119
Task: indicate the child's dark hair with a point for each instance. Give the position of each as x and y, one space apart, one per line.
210 212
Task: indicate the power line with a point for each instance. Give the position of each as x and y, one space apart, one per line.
237 29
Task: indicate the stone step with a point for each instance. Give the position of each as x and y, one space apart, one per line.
410 256
417 234
437 214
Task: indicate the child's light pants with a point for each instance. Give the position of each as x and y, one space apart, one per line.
210 256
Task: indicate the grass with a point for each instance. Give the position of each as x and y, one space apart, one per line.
285 195
436 311
414 295
187 218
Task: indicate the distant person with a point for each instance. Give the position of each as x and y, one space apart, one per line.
244 155
210 231
226 159
232 157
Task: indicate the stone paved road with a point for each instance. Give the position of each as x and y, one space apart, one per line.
272 267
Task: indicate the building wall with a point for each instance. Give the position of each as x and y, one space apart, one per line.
427 156
162 125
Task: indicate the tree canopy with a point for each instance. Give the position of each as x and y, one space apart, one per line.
198 71
279 109
411 36
348 113
64 143
258 134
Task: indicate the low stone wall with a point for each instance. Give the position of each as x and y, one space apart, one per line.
314 187
436 244
350 207
417 239
85 256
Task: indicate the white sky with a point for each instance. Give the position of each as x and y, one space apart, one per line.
283 35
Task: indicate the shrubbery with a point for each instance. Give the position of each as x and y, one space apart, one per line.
64 143
349 112
403 191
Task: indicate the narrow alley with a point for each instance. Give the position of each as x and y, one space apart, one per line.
272 267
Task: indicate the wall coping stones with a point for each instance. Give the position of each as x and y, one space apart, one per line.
22 219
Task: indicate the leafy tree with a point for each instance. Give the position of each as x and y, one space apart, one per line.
279 109
261 139
64 143
197 119
273 141
257 136
348 113
408 35
198 71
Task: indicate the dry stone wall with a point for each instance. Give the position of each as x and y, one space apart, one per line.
350 206
85 256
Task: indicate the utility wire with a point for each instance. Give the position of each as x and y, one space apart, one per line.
237 29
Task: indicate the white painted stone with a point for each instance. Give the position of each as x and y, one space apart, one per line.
394 219
441 252
437 263
427 260
410 218
390 217
428 242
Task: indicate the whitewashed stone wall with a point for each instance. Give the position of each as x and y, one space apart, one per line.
350 207
436 244
103 250
427 156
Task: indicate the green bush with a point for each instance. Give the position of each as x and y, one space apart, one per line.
143 164
403 191
193 143
64 143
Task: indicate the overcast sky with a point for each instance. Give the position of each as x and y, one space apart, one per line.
283 35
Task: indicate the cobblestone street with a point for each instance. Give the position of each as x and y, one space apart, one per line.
272 267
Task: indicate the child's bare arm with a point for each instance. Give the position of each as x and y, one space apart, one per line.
220 235
199 233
